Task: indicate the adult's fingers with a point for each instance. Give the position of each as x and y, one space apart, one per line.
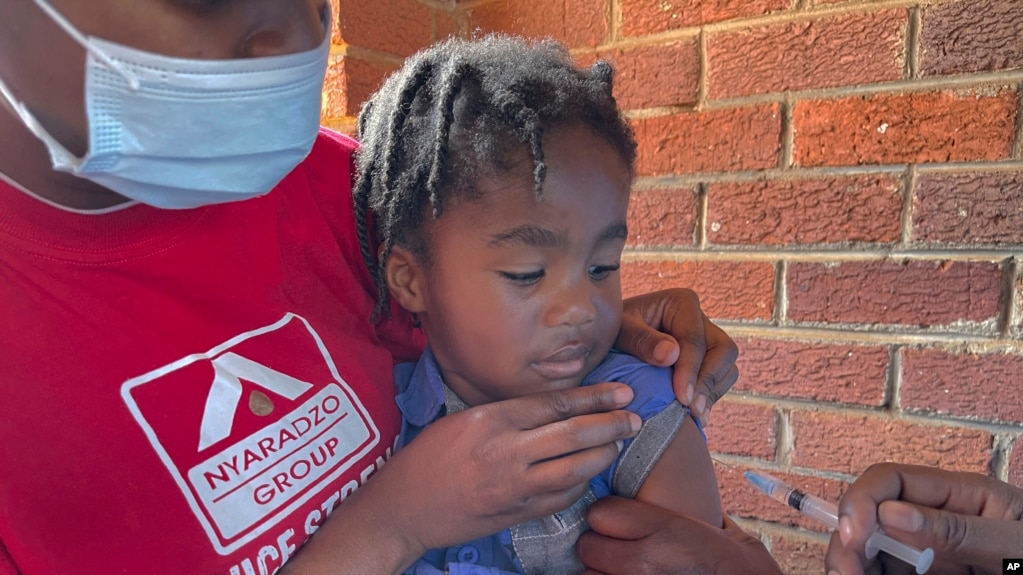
539 409
964 539
626 518
561 438
618 527
842 560
640 332
967 518
629 537
717 372
670 324
880 482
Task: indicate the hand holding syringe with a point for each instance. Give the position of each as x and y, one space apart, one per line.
827 513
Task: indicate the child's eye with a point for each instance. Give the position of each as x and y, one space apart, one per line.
527 278
601 272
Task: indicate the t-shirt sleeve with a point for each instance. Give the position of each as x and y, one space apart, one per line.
330 169
654 401
651 385
6 563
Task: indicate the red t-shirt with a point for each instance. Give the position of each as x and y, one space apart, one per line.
188 391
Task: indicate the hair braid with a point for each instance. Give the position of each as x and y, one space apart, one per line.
452 84
458 111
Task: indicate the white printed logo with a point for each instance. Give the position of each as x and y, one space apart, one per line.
241 470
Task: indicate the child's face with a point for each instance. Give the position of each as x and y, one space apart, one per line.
521 295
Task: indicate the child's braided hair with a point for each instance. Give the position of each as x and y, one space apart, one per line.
460 110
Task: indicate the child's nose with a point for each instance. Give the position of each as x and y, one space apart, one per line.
574 306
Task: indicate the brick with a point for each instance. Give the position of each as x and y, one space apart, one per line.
728 290
446 24
973 386
974 36
827 2
827 211
984 208
656 75
739 497
335 13
852 49
398 27
642 17
1015 475
920 293
743 429
335 95
349 82
905 128
716 140
578 23
798 554
834 373
662 217
344 126
851 443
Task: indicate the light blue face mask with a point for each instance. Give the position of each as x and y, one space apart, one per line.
179 133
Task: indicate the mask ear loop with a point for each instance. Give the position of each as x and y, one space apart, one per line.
59 156
60 20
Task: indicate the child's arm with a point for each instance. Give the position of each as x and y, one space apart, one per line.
683 478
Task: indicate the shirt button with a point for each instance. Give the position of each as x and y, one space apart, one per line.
468 554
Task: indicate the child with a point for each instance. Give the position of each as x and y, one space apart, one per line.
498 174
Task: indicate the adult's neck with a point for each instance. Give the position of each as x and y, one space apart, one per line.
24 159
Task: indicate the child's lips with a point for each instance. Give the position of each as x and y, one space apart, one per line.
568 361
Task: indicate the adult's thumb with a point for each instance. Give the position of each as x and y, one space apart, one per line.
966 540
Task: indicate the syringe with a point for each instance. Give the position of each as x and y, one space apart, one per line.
827 513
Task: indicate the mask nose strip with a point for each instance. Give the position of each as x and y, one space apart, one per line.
77 36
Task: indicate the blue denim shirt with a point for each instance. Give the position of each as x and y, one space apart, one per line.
421 399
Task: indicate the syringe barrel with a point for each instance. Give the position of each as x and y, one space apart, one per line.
819 509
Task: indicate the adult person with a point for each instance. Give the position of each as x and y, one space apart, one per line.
971 521
191 383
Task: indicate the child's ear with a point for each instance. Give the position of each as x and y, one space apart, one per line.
405 280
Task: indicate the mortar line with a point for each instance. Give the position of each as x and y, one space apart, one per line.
1017 151
976 343
788 135
913 30
790 404
893 389
703 86
783 451
803 173
1007 316
927 84
909 182
824 254
781 293
1015 316
1000 457
615 23
702 208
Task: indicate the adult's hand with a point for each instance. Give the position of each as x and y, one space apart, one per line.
473 473
668 328
630 537
970 520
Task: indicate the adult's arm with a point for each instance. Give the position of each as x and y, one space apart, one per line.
668 328
471 474
970 520
630 537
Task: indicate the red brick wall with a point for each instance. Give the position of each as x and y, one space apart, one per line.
842 183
